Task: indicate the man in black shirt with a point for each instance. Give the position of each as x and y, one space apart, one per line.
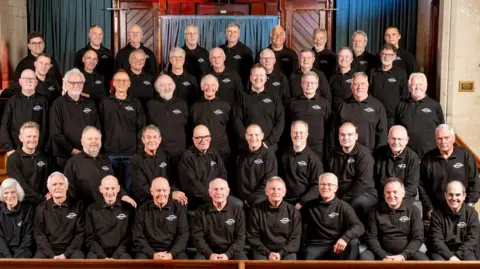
445 163
94 86
420 114
388 83
186 85
161 229
218 230
197 60
141 82
399 161
341 79
29 166
239 57
404 59
122 61
454 227
394 231
108 224
276 80
333 228
325 59
59 227
47 85
363 61
274 226
105 56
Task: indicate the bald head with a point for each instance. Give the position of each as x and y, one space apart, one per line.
277 37
109 179
109 188
28 81
160 181
160 191
201 138
90 60
397 139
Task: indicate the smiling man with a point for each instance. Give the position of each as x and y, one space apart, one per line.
197 61
404 59
325 59
94 86
341 78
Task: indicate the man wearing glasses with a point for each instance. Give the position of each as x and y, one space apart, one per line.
141 81
277 82
197 60
69 115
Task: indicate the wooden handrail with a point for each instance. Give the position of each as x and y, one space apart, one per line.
462 143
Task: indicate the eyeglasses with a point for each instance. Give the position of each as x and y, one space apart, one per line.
206 137
36 43
267 58
329 185
124 81
76 83
190 34
29 79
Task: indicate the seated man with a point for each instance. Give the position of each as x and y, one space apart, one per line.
161 229
275 227
332 225
394 230
59 226
453 227
254 166
108 224
219 226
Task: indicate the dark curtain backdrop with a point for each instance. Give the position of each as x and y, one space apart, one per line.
373 17
65 25
254 31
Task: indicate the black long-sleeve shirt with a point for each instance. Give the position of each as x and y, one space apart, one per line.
122 123
286 60
161 229
49 88
405 166
141 86
370 118
215 114
300 171
59 229
215 231
273 229
105 62
278 83
16 230
122 59
239 58
108 228
263 108
31 171
323 84
340 87
421 119
406 61
389 87
68 118
354 171
394 231
253 169
325 61
195 171
28 63
145 168
18 110
230 85
436 172
94 86
171 117
197 61
186 86
453 233
329 221
364 62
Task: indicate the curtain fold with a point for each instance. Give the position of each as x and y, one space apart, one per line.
255 31
65 25
373 17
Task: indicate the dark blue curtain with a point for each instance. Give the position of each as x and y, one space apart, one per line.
65 25
255 31
373 17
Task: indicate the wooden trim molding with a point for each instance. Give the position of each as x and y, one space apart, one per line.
462 143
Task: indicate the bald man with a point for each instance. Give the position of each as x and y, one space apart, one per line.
135 35
397 160
108 224
94 86
161 229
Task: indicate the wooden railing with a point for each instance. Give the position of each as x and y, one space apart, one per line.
461 143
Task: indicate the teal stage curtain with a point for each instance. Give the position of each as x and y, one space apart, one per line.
65 25
373 17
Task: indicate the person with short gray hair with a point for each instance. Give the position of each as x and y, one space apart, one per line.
342 77
325 59
197 60
141 82
363 61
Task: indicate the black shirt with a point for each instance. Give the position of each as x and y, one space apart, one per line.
31 171
94 86
108 228
436 173
406 61
141 86
171 117
28 63
286 60
186 87
405 166
239 58
390 87
59 229
219 232
278 83
122 123
161 229
122 62
49 88
421 119
230 85
340 87
323 86
197 61
68 118
364 62
394 231
16 230
105 62
273 229
325 61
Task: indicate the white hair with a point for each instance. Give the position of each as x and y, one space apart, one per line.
209 76
10 183
445 127
56 173
331 175
177 49
88 128
418 75
72 72
360 32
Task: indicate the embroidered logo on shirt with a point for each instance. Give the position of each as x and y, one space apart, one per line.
426 110
171 218
146 56
349 81
285 220
276 84
37 108
104 57
226 80
302 163
323 61
316 107
404 219
20 224
87 110
129 108
71 216
392 80
402 166
458 165
121 216
398 58
461 224
40 164
350 160
258 161
212 163
267 100
146 82
237 57
230 221
98 82
369 109
51 88
176 111
105 168
163 165
363 62
201 60
285 59
186 83
333 215
218 112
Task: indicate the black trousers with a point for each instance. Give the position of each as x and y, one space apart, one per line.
326 252
438 257
180 256
238 256
288 257
78 254
367 255
24 255
93 256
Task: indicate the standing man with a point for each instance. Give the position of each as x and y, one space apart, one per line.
94 86
276 80
197 60
341 79
47 85
325 59
186 84
141 81
403 59
363 61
